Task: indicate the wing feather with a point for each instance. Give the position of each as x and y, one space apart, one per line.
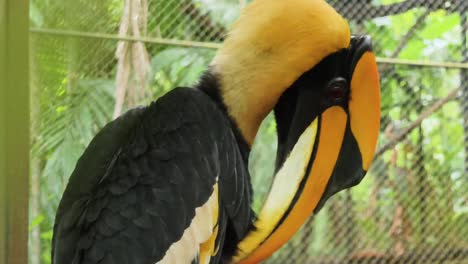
146 177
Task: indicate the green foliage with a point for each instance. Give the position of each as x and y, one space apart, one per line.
69 124
173 67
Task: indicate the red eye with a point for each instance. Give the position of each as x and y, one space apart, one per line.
336 92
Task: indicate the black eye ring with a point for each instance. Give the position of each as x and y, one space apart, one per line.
337 89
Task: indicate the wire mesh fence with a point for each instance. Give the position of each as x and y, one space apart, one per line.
92 59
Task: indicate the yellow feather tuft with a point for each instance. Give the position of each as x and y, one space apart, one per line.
271 45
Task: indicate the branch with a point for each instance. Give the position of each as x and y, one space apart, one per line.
131 91
402 134
408 36
405 40
206 29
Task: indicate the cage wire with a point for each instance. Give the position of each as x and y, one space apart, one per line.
412 207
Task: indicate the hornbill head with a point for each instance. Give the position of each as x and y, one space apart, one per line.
297 57
339 101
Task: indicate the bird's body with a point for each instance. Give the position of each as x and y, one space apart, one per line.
160 181
169 183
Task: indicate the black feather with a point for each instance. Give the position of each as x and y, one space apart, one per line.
135 189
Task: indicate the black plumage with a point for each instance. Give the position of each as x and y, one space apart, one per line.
135 189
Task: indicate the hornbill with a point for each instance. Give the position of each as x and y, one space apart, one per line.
169 182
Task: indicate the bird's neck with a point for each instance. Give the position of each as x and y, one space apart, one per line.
242 98
210 84
247 91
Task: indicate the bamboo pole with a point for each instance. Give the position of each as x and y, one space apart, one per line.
464 79
14 131
106 36
3 67
213 45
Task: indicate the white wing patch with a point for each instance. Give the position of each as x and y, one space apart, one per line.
201 230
